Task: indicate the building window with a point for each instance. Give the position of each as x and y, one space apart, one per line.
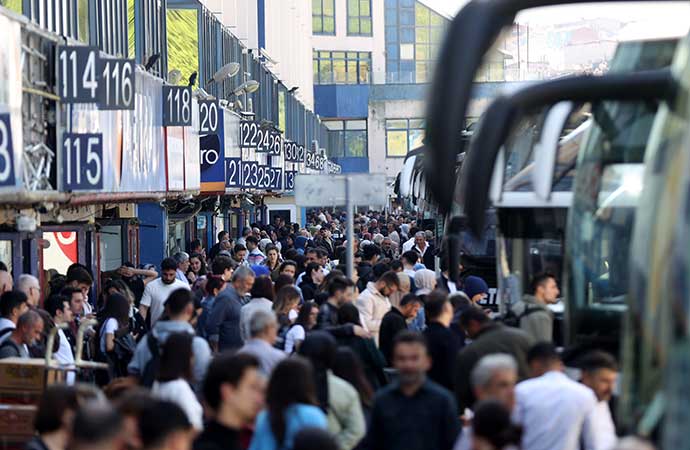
414 34
347 138
323 16
359 17
491 71
341 67
403 135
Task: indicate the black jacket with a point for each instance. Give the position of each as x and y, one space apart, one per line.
392 323
365 271
428 258
370 356
493 338
428 420
308 289
218 437
327 320
443 347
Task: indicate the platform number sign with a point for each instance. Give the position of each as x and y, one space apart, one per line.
276 143
78 74
233 172
290 180
177 106
6 152
250 174
82 161
116 83
208 117
293 152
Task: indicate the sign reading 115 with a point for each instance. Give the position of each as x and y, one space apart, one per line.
82 161
177 106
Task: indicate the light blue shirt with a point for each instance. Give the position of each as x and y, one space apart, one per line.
298 416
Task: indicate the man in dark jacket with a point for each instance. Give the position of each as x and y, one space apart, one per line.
487 337
442 342
365 269
223 324
340 292
395 321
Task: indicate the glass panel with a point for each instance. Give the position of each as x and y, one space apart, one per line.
364 8
338 55
351 72
406 18
436 35
316 24
407 35
62 252
396 124
353 7
352 55
417 123
356 124
364 72
436 19
6 254
326 71
12 5
407 51
396 143
416 138
421 14
356 144
131 34
365 26
316 71
339 70
421 72
329 25
282 118
111 247
352 25
333 124
316 7
422 35
83 9
422 53
328 8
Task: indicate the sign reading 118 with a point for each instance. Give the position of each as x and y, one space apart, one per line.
82 161
177 106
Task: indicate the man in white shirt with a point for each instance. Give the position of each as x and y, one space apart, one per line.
600 373
58 308
555 411
182 259
373 302
156 292
12 305
408 260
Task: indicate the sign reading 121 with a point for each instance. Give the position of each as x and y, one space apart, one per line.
82 161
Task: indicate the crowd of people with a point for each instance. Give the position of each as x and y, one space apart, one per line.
263 343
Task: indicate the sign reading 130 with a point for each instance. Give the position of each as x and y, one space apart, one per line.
82 161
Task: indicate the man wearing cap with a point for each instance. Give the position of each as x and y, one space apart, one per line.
475 288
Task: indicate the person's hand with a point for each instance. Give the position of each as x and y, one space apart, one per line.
361 332
125 272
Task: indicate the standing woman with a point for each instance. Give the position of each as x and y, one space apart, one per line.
272 261
214 284
116 342
290 406
175 376
306 320
348 366
313 277
286 305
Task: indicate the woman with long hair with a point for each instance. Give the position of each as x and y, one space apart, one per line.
336 396
286 305
290 406
175 375
116 341
348 366
306 320
272 261
371 357
313 277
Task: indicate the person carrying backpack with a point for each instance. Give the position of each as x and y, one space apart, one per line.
532 314
179 310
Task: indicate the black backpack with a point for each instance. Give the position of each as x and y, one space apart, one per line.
150 372
513 320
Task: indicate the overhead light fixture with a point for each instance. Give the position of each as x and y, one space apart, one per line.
248 87
174 77
227 71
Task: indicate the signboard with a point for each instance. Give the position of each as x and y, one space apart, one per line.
311 160
250 174
270 178
174 147
7 177
260 138
331 190
290 180
233 172
211 153
117 83
82 161
77 74
192 153
177 106
209 116
294 152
